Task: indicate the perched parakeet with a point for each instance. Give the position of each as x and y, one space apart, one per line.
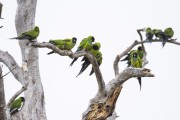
136 62
95 52
86 43
168 33
158 33
99 60
128 57
16 105
64 44
30 35
149 34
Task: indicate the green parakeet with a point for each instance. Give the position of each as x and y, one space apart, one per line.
86 43
30 35
158 33
99 60
64 44
149 34
128 57
95 52
16 105
168 33
136 62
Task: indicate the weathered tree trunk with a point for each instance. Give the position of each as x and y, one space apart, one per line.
34 108
2 98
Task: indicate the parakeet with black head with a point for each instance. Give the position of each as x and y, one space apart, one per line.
31 35
128 57
136 62
63 44
158 33
168 34
95 52
16 105
149 34
86 43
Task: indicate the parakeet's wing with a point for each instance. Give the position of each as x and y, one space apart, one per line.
57 42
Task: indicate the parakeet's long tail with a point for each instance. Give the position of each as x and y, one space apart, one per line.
84 66
163 43
126 58
24 37
13 111
50 52
92 71
139 80
74 60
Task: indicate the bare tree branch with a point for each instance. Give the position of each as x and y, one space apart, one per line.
100 81
145 61
119 56
9 61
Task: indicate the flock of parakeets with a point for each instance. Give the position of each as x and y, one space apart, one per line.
163 36
134 57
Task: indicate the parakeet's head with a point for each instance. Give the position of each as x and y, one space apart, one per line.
139 48
148 29
92 38
22 98
74 39
36 28
96 46
169 32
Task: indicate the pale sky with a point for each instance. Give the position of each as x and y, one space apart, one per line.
113 23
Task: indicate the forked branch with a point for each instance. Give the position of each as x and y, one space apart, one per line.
125 52
9 61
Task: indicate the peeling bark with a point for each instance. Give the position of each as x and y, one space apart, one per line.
103 110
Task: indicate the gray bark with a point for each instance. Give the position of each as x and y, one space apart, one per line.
34 108
2 98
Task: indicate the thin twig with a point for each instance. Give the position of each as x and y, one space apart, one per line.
145 61
7 73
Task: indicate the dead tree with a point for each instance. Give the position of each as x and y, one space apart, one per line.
101 107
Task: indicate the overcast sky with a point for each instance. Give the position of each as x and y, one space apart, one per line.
113 23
